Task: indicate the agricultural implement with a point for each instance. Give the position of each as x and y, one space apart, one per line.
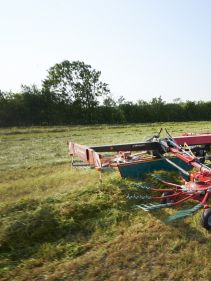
185 154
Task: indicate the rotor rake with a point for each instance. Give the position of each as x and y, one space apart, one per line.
179 154
175 196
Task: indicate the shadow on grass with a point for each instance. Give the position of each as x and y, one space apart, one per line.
182 228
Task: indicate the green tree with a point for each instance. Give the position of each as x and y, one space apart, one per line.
75 83
109 102
1 96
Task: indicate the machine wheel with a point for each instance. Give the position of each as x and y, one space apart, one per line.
167 200
206 219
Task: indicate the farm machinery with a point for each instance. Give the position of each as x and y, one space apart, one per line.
185 154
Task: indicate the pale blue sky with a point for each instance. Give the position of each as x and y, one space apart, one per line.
144 48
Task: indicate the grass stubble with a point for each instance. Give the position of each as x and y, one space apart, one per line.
59 223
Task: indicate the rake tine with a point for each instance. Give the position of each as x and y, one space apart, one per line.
141 207
184 213
143 186
150 206
164 181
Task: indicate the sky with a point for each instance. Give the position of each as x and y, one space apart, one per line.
144 48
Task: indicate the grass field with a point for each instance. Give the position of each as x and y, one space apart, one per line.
59 223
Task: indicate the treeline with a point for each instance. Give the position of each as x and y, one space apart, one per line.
32 107
70 95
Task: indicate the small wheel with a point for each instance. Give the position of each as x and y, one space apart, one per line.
167 200
206 219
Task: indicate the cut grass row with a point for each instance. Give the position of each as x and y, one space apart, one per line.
31 147
61 224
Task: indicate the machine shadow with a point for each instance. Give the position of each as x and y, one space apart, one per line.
183 228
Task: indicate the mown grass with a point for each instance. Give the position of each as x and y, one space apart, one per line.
30 147
59 223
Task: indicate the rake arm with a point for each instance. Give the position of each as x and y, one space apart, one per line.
184 213
150 207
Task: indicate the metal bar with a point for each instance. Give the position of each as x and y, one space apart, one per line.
166 182
168 196
203 202
163 190
175 165
193 139
140 146
182 200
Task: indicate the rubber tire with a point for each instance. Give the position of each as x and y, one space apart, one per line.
206 219
167 200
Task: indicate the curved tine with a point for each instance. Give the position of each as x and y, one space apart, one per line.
168 134
168 196
163 190
170 183
167 182
204 200
182 200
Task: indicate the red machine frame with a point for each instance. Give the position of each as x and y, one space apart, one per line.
196 188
